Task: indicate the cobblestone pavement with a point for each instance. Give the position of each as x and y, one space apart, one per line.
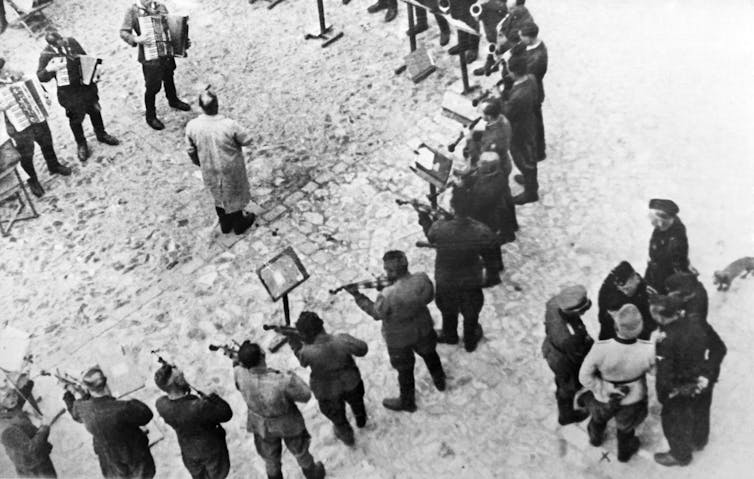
644 100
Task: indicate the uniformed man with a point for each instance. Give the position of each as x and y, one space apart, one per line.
273 416
26 445
464 264
508 29
35 133
565 346
197 423
622 286
689 358
78 99
156 72
614 374
519 105
490 197
390 5
121 445
492 15
536 64
691 291
668 246
406 326
335 379
421 24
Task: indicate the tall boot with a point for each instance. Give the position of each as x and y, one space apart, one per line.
377 6
531 188
628 444
406 401
566 414
151 112
275 476
344 432
316 471
359 413
444 27
487 68
434 365
421 24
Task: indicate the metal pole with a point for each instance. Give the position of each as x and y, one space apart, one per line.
411 24
464 73
433 195
321 12
286 305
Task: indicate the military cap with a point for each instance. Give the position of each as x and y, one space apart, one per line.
666 206
628 321
623 272
94 378
573 299
529 29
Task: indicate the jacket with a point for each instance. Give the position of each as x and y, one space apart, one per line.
519 108
130 24
330 358
270 397
617 362
610 298
668 254
70 96
566 342
536 64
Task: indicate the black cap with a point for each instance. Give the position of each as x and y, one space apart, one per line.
666 206
623 272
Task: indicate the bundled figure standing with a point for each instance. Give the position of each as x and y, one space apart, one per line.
273 416
668 246
335 378
122 447
197 423
623 286
406 326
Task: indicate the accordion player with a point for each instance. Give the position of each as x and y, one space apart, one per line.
79 70
166 36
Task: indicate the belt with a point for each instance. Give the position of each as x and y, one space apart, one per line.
627 381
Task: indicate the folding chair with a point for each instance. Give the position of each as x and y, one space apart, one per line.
27 11
11 187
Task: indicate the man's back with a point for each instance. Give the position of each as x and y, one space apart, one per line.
330 358
196 422
519 109
460 243
113 423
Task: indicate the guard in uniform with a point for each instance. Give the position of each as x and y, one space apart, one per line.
157 72
78 100
421 24
464 264
668 246
26 445
197 423
536 64
493 13
406 326
273 416
335 379
120 444
614 375
390 5
565 346
623 286
689 358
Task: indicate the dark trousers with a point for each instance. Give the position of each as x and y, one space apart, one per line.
137 468
627 418
566 386
157 74
212 467
541 154
37 133
402 359
76 117
421 19
468 41
468 303
335 408
271 448
678 426
524 159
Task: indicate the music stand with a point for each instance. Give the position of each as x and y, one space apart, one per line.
326 33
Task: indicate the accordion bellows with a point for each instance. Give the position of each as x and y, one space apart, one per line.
81 70
167 35
25 103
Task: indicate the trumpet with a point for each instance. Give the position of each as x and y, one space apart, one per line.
476 10
452 146
444 6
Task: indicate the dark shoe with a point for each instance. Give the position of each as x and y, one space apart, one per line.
525 198
595 438
572 417
519 179
446 339
625 451
399 404
471 56
444 38
82 150
35 187
391 13
455 49
361 421
226 225
244 223
345 434
667 459
377 6
108 139
280 474
346 2
317 471
492 280
470 344
439 381
155 123
418 28
699 447
61 169
179 105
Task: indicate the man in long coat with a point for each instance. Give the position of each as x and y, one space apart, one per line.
623 286
215 143
668 246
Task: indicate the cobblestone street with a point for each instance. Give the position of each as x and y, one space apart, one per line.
644 99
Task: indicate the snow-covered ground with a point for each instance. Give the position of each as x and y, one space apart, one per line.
644 99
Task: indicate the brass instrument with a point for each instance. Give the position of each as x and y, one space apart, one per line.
452 146
476 10
444 6
377 283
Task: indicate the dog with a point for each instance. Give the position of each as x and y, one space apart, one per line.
741 267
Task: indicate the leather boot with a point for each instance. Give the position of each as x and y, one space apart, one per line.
566 414
596 437
179 105
391 13
628 444
317 471
60 169
35 187
344 433
155 123
419 27
455 49
444 338
107 139
667 459
472 338
444 30
487 68
359 414
377 6
399 404
406 401
244 223
82 151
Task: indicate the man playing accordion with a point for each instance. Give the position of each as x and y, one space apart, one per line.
157 71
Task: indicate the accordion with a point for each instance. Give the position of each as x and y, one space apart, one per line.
81 70
167 35
24 103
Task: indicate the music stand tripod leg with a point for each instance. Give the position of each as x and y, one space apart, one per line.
465 74
326 32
